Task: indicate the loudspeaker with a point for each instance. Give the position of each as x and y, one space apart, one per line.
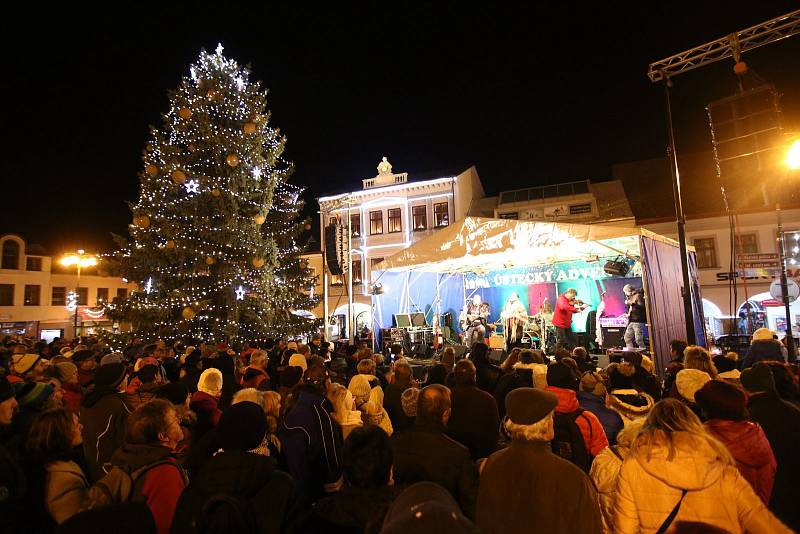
497 356
613 336
331 255
616 268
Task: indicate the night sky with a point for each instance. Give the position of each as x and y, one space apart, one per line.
549 94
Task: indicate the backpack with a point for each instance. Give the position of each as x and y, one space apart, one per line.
120 486
568 441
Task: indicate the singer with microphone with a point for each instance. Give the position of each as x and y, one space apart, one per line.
566 305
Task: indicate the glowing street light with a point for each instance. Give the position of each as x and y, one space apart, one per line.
79 260
793 156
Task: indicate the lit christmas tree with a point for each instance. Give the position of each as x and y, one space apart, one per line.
212 244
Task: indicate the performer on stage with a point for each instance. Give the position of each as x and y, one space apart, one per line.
474 317
514 317
566 305
637 316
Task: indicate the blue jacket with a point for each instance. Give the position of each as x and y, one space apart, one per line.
611 421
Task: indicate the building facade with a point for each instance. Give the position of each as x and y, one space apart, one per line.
387 215
35 293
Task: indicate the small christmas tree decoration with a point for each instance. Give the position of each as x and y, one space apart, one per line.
249 128
210 260
258 263
259 219
170 244
142 221
185 113
215 192
188 313
178 176
232 160
151 169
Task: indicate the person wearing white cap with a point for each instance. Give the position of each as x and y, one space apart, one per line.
205 401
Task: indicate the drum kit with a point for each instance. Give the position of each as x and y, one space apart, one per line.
538 332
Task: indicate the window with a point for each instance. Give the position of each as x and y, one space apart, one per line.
356 271
441 216
375 222
577 209
58 296
355 225
509 215
395 221
83 296
706 252
102 295
32 295
7 294
749 244
10 254
122 292
374 261
337 280
420 216
33 264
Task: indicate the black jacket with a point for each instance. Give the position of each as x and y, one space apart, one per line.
781 423
394 407
250 478
519 378
350 511
424 452
474 420
487 374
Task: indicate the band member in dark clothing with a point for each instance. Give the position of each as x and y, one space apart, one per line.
637 316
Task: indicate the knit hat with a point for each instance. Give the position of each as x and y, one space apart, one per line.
114 357
242 427
525 406
65 371
82 355
291 345
559 375
360 388
689 381
593 383
34 394
764 333
6 390
426 507
174 392
23 363
758 378
110 375
409 401
210 382
724 364
141 362
298 360
721 400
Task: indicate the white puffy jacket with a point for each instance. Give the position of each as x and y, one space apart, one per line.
650 485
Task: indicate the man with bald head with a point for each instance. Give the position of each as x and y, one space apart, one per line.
425 453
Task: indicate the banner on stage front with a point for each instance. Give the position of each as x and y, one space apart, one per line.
525 276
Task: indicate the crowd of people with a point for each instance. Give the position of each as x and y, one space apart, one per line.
286 436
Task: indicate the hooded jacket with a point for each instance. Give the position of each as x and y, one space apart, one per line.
103 421
611 420
604 473
748 445
629 404
652 481
208 413
594 437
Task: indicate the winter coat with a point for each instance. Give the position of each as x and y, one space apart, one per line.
604 473
474 421
763 350
594 437
611 420
13 513
650 485
630 404
250 478
748 445
520 377
73 397
104 422
487 374
161 486
424 452
781 423
208 413
524 489
66 490
394 407
312 445
350 511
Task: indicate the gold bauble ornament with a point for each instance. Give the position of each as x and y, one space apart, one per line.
178 177
142 221
185 113
188 313
740 67
259 219
232 160
210 260
149 147
258 263
215 192
151 169
170 244
249 128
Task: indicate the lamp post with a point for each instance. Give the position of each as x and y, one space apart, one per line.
793 164
79 260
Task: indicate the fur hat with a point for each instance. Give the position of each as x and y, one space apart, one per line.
210 382
620 376
24 363
689 381
360 387
764 333
720 400
298 360
408 400
242 427
593 383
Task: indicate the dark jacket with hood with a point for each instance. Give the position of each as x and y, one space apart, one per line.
629 404
104 416
251 479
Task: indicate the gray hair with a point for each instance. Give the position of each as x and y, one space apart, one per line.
539 431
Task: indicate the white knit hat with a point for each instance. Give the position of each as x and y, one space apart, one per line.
360 388
210 382
689 382
298 360
763 333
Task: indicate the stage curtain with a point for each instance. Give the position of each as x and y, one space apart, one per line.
697 302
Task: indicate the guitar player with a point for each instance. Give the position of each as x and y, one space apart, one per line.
637 317
474 320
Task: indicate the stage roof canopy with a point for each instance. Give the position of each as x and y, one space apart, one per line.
482 245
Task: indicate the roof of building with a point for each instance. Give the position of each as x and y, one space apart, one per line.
417 178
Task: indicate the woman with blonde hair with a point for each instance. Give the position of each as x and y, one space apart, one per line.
374 412
676 471
698 368
344 409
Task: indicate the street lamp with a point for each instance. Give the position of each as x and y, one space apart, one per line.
79 260
793 156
